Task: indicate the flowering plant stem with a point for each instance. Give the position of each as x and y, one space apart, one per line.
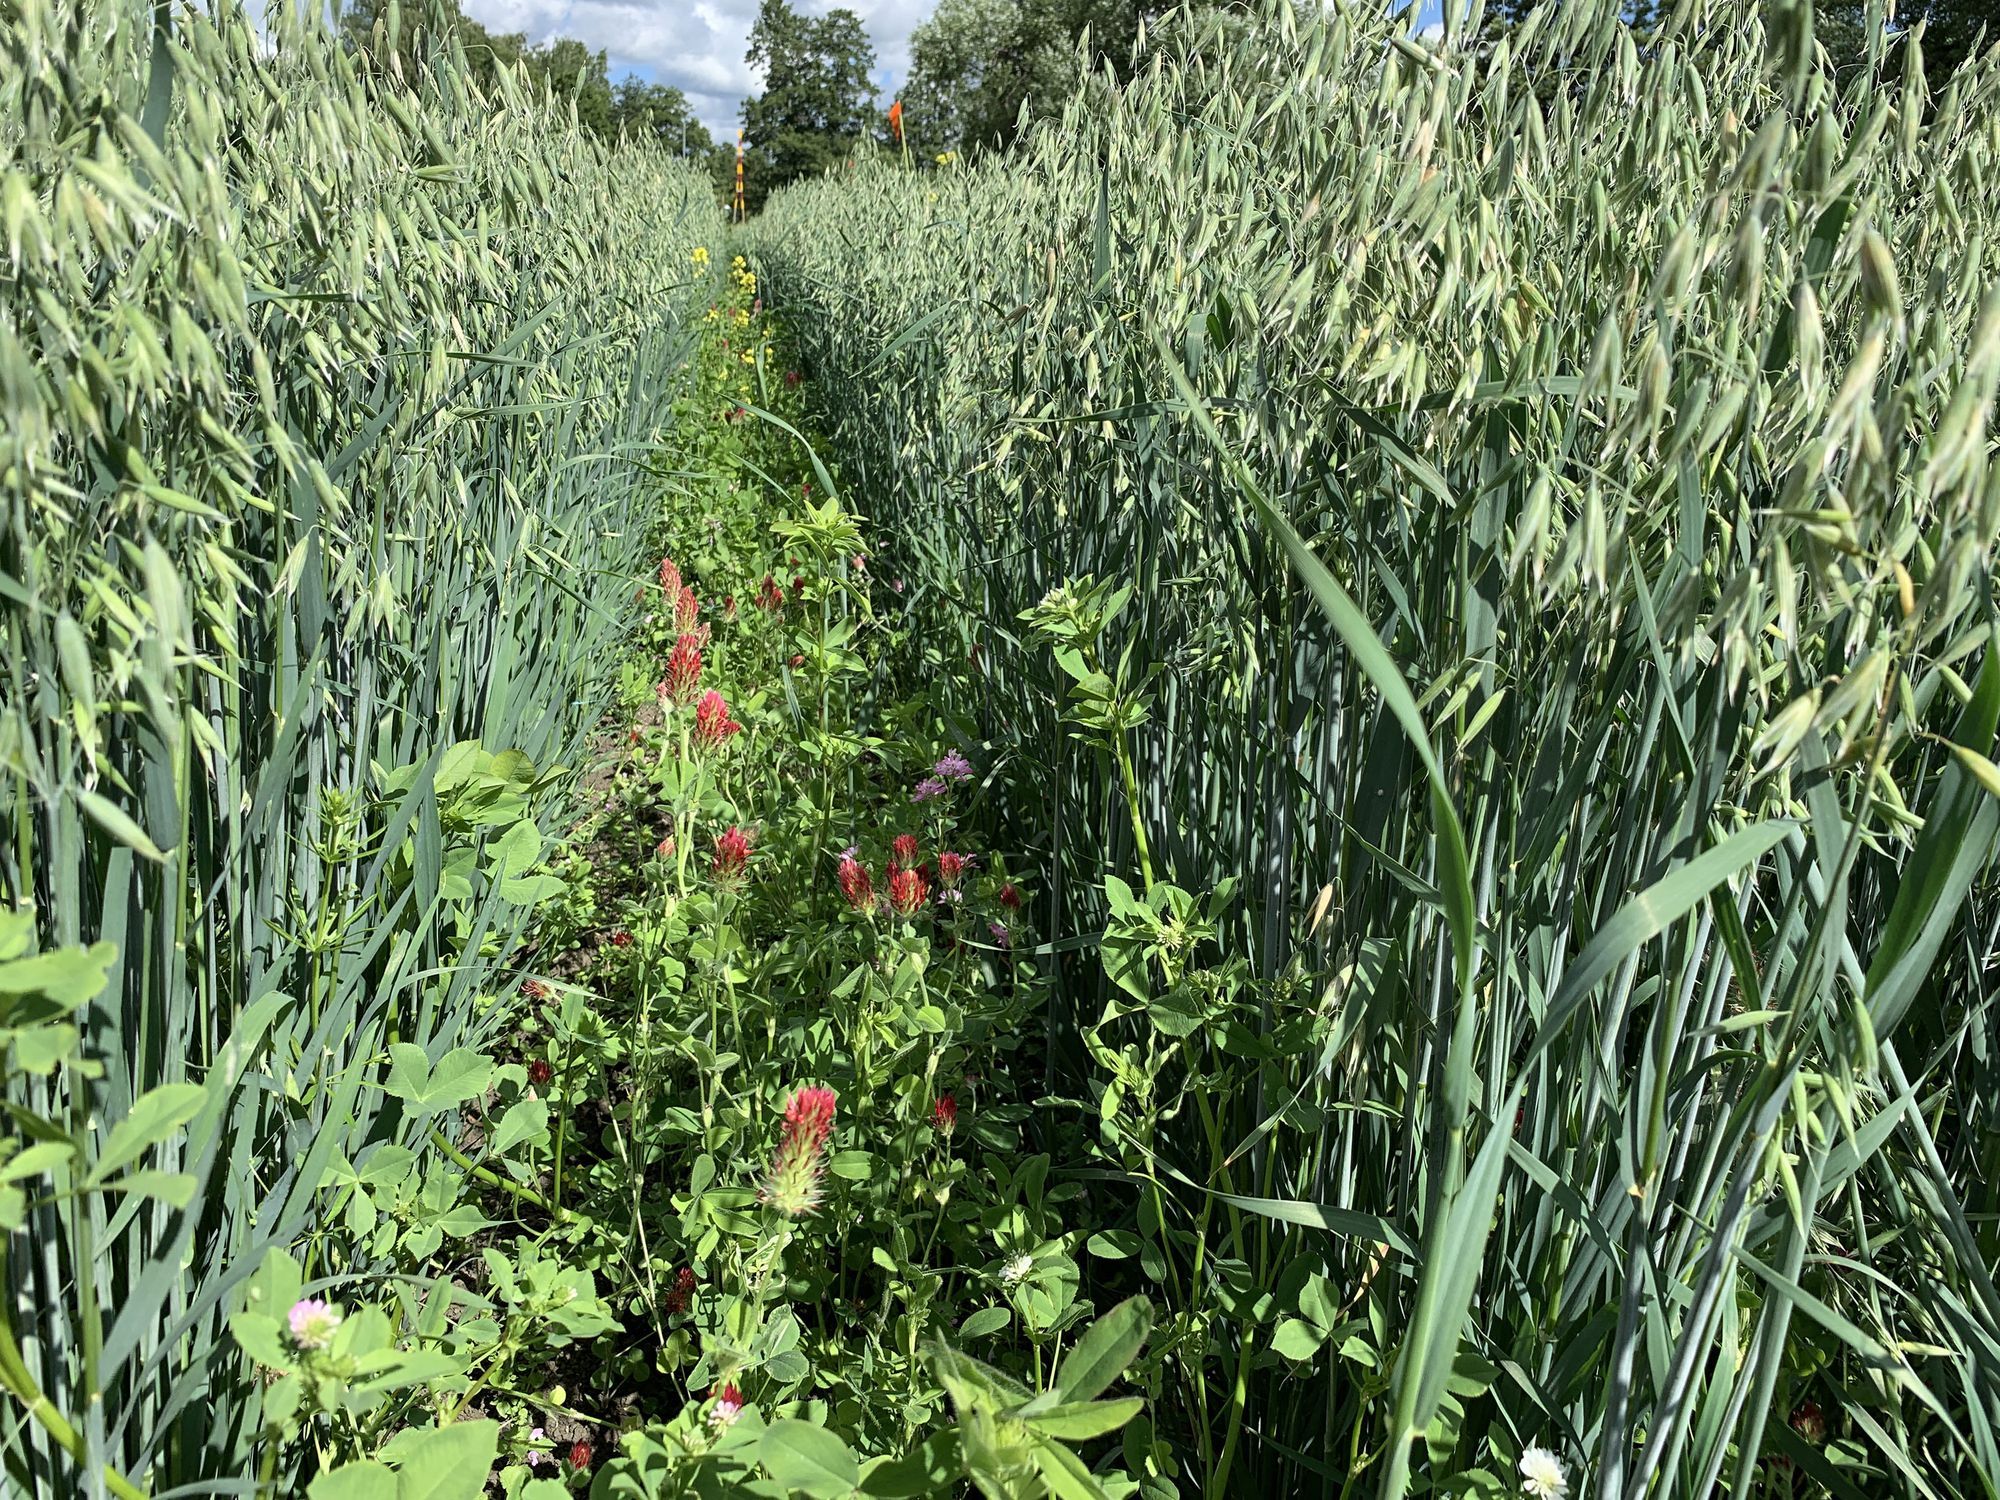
494 1179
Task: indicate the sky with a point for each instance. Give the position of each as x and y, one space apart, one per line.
695 45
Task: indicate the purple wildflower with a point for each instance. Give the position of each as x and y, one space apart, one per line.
313 1323
954 767
1001 937
928 788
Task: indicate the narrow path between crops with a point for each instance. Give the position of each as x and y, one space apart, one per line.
774 1022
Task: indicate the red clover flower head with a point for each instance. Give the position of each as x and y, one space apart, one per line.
728 1406
952 868
732 856
579 1455
687 609
1010 895
856 884
792 1184
908 891
670 577
683 670
944 1114
903 852
712 724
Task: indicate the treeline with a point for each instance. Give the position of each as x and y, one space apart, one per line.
981 71
565 67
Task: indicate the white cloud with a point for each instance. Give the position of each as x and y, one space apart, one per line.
695 45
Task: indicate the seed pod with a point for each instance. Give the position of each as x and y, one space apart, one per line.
1810 341
1880 291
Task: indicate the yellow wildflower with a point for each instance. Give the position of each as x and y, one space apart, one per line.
701 255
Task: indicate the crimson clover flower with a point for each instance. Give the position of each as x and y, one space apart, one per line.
687 609
712 724
908 891
856 884
728 1406
792 1183
683 670
732 856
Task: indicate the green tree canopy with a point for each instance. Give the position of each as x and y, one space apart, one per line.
817 104
567 69
975 65
660 113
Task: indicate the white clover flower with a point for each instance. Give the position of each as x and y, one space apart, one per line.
1016 1270
1542 1475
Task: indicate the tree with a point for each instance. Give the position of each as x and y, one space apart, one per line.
817 104
656 112
563 68
1952 32
1951 37
571 72
975 64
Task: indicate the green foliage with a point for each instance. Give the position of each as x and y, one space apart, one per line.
319 390
409 41
1552 478
817 103
980 69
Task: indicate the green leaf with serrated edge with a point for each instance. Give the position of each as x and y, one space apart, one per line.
461 1074
68 977
260 1337
409 1072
